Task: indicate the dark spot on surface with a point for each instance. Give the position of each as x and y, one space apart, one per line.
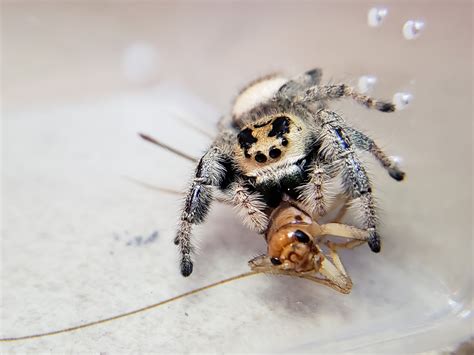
246 139
284 142
280 126
274 153
260 157
262 124
275 261
247 155
298 217
301 236
139 240
385 106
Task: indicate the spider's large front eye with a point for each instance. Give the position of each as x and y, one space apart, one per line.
260 157
274 153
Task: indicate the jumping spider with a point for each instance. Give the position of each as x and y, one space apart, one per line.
281 139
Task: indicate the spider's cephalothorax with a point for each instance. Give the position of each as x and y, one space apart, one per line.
282 140
271 153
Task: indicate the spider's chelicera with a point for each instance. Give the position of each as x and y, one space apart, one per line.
281 139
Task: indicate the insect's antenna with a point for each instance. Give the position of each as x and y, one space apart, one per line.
165 189
154 187
193 126
123 315
167 147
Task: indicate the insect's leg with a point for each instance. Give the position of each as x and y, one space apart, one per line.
336 280
312 193
332 92
345 231
250 205
334 271
363 142
301 82
209 173
337 147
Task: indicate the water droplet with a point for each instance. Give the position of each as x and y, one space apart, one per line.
139 62
402 99
412 29
376 16
398 160
366 83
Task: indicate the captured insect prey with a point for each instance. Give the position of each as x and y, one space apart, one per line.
295 247
281 139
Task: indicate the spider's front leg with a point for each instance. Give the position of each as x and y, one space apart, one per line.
210 173
337 147
312 193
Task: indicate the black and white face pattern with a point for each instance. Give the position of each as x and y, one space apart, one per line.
267 141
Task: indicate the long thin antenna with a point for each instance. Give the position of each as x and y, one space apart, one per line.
123 315
167 147
165 189
193 126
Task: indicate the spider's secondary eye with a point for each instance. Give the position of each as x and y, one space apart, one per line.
275 261
284 142
260 157
275 153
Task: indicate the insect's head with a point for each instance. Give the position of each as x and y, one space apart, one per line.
290 241
292 248
270 139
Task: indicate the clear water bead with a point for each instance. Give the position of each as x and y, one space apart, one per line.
139 61
398 160
376 16
412 29
366 83
402 99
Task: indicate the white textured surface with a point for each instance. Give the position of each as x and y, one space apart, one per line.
71 216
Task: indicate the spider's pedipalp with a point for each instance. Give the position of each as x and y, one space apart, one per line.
312 193
249 205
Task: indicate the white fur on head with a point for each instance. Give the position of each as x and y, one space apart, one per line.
256 93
